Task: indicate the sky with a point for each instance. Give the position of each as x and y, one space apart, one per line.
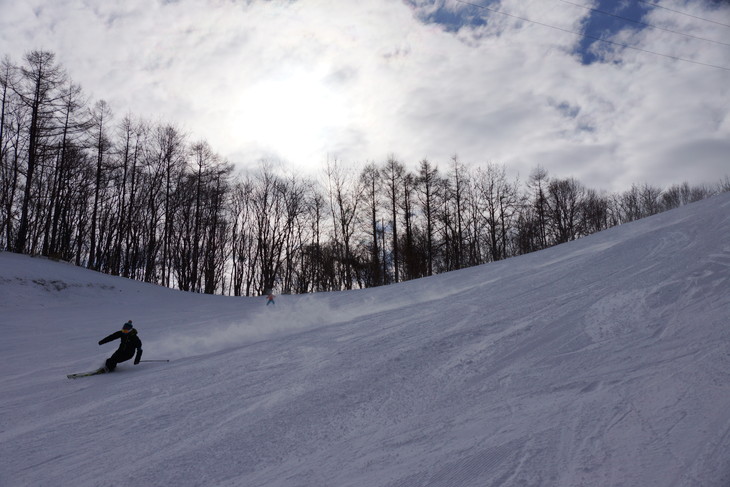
513 82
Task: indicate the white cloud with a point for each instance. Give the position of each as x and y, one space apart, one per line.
307 80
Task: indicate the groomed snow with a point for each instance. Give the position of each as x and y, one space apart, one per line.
603 362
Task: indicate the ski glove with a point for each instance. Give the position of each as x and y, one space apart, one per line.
139 356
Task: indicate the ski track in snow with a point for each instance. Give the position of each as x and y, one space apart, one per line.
603 362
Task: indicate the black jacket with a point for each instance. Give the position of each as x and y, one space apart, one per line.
130 342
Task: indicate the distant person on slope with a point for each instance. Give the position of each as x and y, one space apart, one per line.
270 299
129 343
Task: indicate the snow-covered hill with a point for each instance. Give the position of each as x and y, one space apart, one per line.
603 362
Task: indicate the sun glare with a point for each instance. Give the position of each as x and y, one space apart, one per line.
291 115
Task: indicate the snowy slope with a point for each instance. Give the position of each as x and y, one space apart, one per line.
603 362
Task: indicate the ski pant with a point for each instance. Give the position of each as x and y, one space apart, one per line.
116 358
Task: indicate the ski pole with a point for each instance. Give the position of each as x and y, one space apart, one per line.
154 360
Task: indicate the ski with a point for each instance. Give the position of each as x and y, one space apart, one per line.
87 374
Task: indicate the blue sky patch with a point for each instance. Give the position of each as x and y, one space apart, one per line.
451 20
603 25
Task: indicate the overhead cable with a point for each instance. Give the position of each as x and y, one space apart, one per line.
595 38
603 12
681 13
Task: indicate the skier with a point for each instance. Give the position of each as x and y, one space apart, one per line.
270 299
129 343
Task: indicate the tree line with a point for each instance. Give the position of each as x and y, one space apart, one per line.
142 200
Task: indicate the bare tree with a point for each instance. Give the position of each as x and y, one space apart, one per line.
411 257
277 203
428 193
628 205
345 195
476 225
214 253
7 69
9 140
74 126
564 201
371 182
393 173
38 91
129 134
102 144
498 203
683 194
203 158
596 212
538 183
458 186
240 235
650 197
170 151
135 134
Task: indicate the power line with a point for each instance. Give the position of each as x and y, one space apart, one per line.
681 13
588 36
603 12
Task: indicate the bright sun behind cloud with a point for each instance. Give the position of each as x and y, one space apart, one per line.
291 114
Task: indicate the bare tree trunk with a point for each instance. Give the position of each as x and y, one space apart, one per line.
101 113
428 183
43 77
394 173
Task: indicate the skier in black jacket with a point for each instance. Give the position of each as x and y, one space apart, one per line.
130 343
